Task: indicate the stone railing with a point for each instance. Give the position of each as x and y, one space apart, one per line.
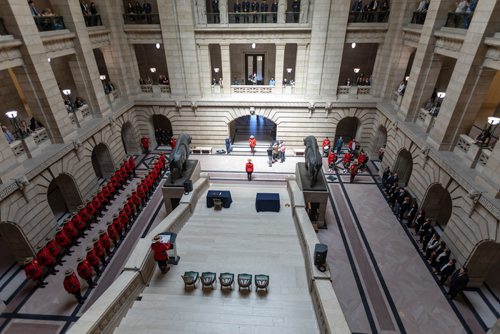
425 120
147 88
18 148
165 89
85 110
112 306
484 157
251 89
464 143
48 23
40 135
354 91
329 314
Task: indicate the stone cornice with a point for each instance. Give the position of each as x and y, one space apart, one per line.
58 43
99 36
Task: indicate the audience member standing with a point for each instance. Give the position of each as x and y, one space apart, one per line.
72 285
249 169
252 142
458 282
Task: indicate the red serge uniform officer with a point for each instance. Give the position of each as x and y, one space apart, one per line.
55 250
45 258
99 251
118 226
72 285
105 241
112 233
84 270
34 271
131 163
145 144
160 253
63 240
79 224
93 259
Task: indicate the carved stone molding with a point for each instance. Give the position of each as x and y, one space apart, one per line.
448 44
59 42
10 55
99 38
142 35
411 37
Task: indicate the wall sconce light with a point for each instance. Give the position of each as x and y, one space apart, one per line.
11 114
102 77
493 120
356 70
157 45
289 70
253 45
353 45
407 77
216 69
49 60
153 69
441 95
67 92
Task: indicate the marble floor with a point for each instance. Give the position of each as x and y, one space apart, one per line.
380 279
235 240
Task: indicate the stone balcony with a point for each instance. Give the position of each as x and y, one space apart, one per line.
58 43
425 120
10 55
354 92
25 148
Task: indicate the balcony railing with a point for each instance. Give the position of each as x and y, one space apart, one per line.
141 18
354 91
459 20
262 17
251 89
292 17
368 17
155 89
93 20
418 17
426 119
49 23
3 30
40 135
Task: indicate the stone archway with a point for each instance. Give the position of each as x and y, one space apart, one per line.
484 258
241 128
162 128
129 139
379 140
437 204
347 128
102 161
403 166
17 247
63 195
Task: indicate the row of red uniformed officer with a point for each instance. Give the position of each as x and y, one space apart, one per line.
90 265
50 255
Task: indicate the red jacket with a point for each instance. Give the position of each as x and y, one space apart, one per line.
122 216
96 202
118 225
93 258
99 249
53 248
105 241
71 284
362 158
62 239
112 232
90 208
45 258
173 142
131 162
347 157
145 142
33 270
84 270
70 229
252 142
249 167
354 169
79 223
160 251
136 198
326 142
331 157
84 214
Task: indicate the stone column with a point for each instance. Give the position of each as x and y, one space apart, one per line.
7 160
89 74
282 11
300 68
278 67
223 12
430 78
205 69
225 55
304 10
465 92
435 19
201 9
488 177
36 77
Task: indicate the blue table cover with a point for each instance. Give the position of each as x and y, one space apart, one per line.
267 202
224 195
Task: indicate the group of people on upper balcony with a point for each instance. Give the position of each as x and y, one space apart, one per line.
361 80
44 19
421 12
138 11
22 130
90 14
374 11
254 11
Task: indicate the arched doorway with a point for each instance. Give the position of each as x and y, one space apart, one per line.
347 128
129 139
243 127
14 245
63 195
437 204
484 258
403 166
379 140
102 161
162 129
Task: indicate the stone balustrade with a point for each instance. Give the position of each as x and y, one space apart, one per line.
354 91
164 89
147 88
18 148
251 89
155 89
40 135
464 143
483 157
425 119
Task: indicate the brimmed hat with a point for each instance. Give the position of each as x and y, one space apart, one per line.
38 248
95 239
81 207
59 228
101 232
68 272
109 223
80 259
249 160
89 248
252 136
156 238
48 239
27 260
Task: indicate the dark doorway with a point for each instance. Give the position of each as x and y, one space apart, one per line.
403 166
129 139
347 129
63 195
102 161
243 127
254 69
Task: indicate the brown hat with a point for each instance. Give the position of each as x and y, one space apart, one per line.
101 232
94 240
74 213
81 207
68 272
48 239
59 228
108 223
80 259
38 248
89 248
27 260
156 238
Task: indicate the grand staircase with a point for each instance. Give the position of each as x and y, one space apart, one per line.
236 240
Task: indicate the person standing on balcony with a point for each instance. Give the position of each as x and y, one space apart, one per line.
264 8
215 11
146 8
274 9
237 10
254 8
34 10
246 9
296 11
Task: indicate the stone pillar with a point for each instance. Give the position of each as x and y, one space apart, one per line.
304 10
205 69
334 48
89 74
7 160
225 54
223 12
36 77
120 55
278 67
282 11
463 95
300 68
201 9
420 71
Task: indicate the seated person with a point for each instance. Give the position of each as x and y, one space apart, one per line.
484 137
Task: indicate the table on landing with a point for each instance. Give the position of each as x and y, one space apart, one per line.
267 202
224 195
